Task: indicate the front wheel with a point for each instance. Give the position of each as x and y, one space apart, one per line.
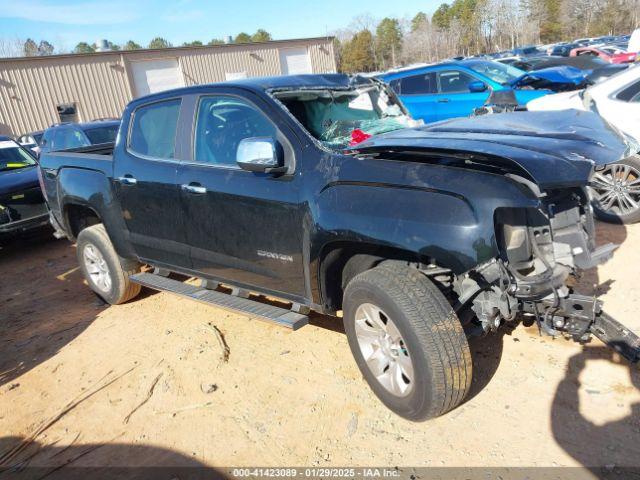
407 341
615 191
105 271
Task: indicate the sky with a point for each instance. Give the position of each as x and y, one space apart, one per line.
64 23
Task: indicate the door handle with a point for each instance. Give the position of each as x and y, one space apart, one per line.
127 180
194 188
443 100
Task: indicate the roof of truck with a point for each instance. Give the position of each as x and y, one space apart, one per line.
284 82
328 80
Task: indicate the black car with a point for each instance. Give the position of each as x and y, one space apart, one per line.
67 136
320 190
565 49
22 205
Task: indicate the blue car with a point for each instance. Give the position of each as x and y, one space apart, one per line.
455 89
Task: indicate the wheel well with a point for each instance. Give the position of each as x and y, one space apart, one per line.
339 263
80 217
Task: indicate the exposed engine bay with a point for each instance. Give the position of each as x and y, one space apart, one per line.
542 254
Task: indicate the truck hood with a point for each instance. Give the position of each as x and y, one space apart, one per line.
553 78
555 149
19 179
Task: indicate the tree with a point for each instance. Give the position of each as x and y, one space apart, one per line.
112 46
550 26
441 17
195 43
215 41
261 36
418 21
45 48
357 54
84 47
30 48
242 38
159 42
388 42
11 47
131 45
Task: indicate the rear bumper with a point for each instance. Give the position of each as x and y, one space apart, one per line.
19 226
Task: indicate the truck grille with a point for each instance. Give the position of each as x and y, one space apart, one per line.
21 205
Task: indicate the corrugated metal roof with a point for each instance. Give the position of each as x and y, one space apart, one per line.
170 49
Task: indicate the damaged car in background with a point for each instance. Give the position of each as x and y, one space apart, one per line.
615 188
456 88
322 191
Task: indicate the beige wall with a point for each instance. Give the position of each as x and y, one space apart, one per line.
101 85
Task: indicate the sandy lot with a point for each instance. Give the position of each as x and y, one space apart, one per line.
146 383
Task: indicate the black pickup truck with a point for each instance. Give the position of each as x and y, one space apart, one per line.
421 236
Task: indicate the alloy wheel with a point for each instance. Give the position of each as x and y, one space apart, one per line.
97 268
384 349
616 189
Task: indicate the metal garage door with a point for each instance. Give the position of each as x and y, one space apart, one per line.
294 61
151 76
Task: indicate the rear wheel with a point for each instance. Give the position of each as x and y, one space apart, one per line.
407 341
106 273
616 191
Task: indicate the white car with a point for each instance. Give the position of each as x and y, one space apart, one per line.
616 189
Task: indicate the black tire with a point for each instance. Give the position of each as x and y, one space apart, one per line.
430 330
620 211
120 288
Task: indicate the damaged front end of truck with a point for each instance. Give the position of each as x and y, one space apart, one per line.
542 250
541 235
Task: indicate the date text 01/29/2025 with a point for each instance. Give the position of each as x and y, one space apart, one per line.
316 472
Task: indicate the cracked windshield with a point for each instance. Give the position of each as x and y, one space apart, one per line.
342 118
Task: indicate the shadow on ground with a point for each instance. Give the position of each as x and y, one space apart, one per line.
101 460
44 304
609 449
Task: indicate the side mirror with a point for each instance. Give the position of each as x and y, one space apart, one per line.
260 154
477 87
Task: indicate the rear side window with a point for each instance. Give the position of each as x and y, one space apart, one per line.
631 93
65 138
153 129
99 135
417 84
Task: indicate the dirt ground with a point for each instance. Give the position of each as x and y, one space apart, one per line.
146 383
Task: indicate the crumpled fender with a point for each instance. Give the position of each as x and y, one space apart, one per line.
552 77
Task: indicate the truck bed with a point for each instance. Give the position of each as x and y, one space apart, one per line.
94 157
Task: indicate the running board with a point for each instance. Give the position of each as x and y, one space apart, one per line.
263 311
